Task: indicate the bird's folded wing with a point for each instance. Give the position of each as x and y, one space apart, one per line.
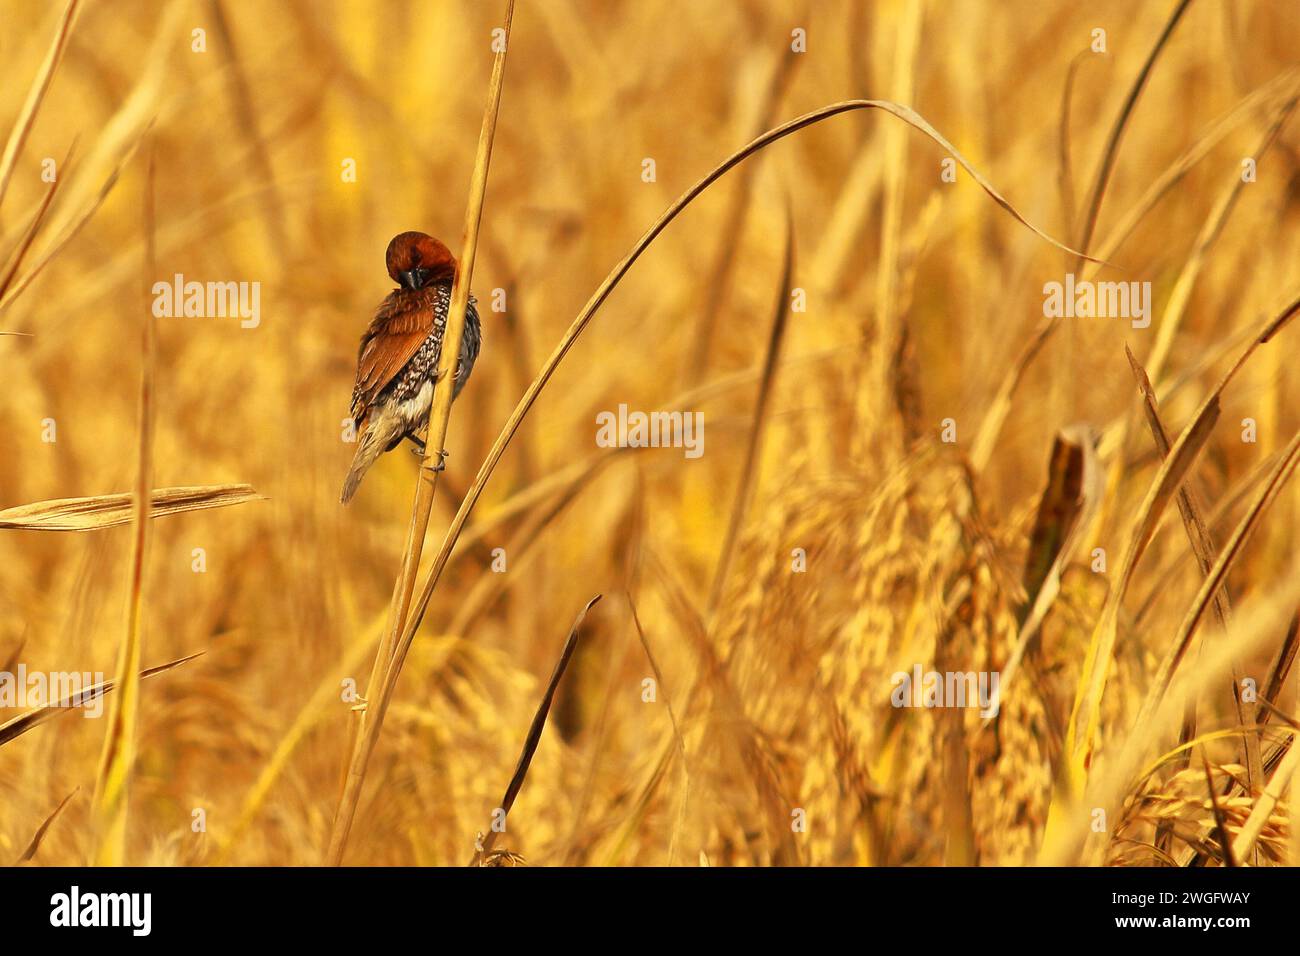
390 342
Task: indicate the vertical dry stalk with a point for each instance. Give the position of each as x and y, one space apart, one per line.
109 806
23 125
749 470
384 674
534 736
1093 206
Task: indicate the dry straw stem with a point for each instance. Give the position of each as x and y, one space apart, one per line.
1202 545
1180 297
439 416
678 738
724 258
314 711
1085 716
17 287
1214 579
29 236
1284 85
1065 175
1286 775
873 429
534 734
35 845
749 470
19 725
1215 576
1066 510
1093 206
108 809
1220 824
108 511
27 116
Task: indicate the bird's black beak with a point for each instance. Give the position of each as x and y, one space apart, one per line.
413 278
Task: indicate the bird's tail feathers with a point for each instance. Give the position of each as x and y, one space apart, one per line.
373 443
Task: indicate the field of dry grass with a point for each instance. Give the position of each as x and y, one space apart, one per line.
907 462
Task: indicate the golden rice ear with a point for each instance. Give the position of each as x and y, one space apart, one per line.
109 511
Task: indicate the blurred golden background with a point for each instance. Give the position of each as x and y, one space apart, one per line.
771 737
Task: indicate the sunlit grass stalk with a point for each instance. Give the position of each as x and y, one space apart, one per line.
749 470
383 674
35 96
484 849
118 756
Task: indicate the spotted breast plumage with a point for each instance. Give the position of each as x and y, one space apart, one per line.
397 362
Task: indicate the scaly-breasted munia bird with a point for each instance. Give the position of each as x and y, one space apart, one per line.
397 363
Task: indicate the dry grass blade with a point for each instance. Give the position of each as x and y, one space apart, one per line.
29 235
383 674
878 376
749 470
1093 206
672 719
108 809
1284 469
1281 667
1085 714
19 725
1286 775
720 269
1281 715
1065 175
1180 296
92 206
1198 536
1178 170
35 845
1220 824
1065 512
27 116
534 733
108 511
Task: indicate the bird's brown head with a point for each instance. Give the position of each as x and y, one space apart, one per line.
415 260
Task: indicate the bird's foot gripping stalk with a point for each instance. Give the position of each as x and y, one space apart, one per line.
419 450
